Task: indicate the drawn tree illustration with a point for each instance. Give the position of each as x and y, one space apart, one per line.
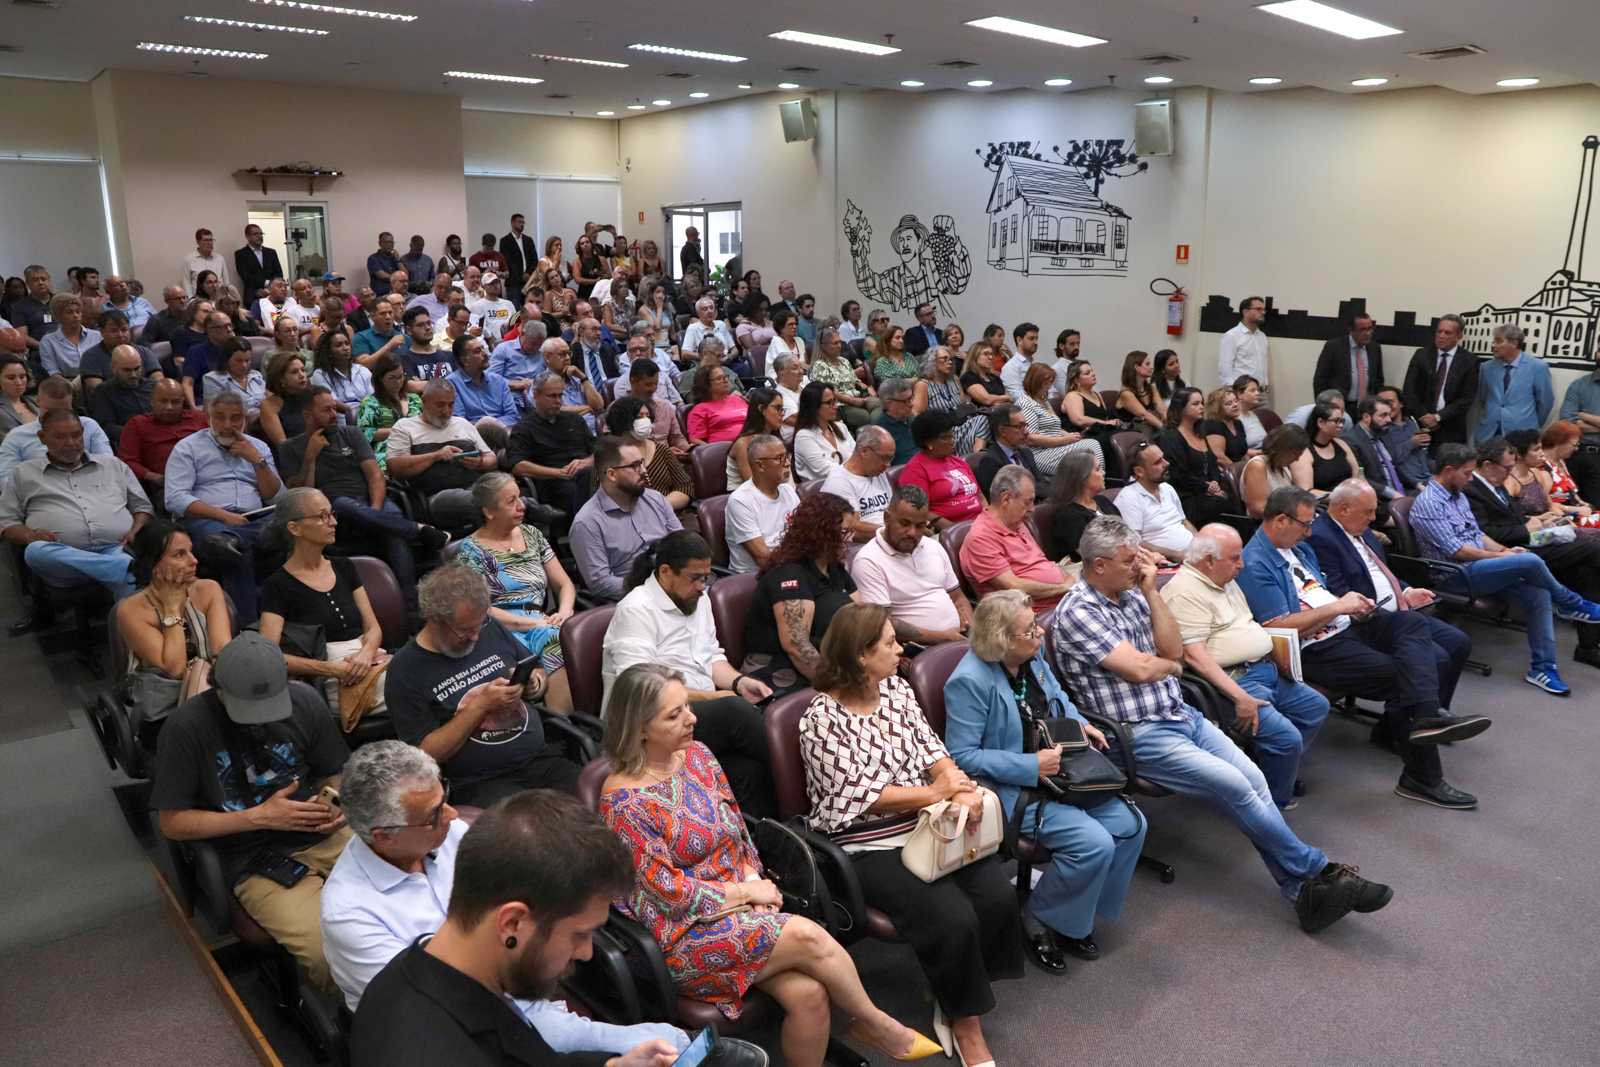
1098 160
995 153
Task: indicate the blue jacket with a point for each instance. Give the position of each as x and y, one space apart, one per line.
1524 406
1342 566
983 729
1266 581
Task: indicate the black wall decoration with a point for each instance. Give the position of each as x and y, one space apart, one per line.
1046 217
933 264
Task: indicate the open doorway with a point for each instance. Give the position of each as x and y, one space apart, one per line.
720 227
299 234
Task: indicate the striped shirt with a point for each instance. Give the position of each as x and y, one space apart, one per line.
1443 522
1085 629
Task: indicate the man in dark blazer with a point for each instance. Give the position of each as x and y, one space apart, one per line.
255 266
1442 411
923 335
1008 430
1365 437
1335 369
522 257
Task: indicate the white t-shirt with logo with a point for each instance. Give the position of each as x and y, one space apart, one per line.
1313 595
304 316
869 497
750 515
492 315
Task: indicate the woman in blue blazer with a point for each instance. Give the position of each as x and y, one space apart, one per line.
1093 850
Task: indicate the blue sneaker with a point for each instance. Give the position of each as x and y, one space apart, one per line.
1585 611
1547 679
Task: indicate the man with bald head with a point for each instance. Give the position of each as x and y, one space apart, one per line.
23 442
124 395
119 297
148 439
116 330
160 327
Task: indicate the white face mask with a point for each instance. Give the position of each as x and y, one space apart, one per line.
642 427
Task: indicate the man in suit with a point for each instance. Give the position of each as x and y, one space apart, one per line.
255 265
923 335
1515 388
1441 384
1351 363
592 353
520 254
1353 560
1008 435
1365 437
1575 565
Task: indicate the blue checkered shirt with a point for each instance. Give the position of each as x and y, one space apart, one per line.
1444 524
1084 631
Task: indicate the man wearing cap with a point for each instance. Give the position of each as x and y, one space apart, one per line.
241 765
492 311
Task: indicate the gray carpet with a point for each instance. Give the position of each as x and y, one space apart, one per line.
1487 955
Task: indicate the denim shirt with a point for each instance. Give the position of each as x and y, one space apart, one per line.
1266 581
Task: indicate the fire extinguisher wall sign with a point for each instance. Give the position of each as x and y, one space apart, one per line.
1175 298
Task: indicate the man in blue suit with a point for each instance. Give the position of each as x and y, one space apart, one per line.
924 335
1515 388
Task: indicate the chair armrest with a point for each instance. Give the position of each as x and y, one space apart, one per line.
1425 573
604 984
589 723
1124 736
658 997
1205 696
213 897
580 738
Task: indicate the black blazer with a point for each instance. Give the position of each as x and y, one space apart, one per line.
1497 518
1333 369
1367 455
1460 390
1343 569
252 275
991 459
521 257
917 339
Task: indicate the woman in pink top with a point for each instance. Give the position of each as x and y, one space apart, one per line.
716 416
947 479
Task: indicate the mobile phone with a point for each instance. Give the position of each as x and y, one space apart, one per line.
278 868
524 671
1381 603
464 455
698 1050
330 797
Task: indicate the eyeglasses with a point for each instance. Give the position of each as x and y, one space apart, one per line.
321 516
637 466
433 819
702 580
1304 526
1030 633
468 635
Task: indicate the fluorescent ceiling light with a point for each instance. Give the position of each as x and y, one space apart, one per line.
911 83
980 83
788 85
252 25
492 77
573 59
1370 81
325 9
635 107
822 39
221 53
689 52
605 112
746 85
698 96
1517 83
1158 79
661 103
1331 19
1036 32
1265 81
1056 83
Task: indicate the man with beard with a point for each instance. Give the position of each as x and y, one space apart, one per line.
115 332
449 693
438 449
549 444
125 396
615 524
421 360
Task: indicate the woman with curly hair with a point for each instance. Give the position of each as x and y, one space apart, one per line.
804 584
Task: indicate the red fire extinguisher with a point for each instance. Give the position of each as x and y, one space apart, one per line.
1175 301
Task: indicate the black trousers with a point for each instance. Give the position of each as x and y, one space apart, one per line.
1201 509
1386 657
1584 466
558 493
547 769
1576 566
965 928
732 728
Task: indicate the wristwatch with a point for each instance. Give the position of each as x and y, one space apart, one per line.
258 464
168 621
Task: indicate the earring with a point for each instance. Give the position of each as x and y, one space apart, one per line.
511 942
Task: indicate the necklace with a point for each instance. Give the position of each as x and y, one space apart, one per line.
657 775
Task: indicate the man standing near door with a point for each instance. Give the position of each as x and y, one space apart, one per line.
519 252
1442 383
255 264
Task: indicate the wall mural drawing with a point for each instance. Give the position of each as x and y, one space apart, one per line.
933 264
1047 217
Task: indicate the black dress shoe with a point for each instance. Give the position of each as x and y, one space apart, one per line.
432 537
1083 948
1442 729
1443 795
1381 737
1324 900
28 624
1299 787
731 1052
1591 656
1042 951
539 514
1368 896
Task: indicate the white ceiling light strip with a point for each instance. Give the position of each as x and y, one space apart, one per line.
252 25
574 59
824 41
689 53
329 10
190 50
1033 31
492 77
1323 17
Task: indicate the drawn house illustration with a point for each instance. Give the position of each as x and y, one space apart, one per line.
1043 219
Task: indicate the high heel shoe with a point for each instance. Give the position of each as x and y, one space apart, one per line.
941 1030
921 1046
963 1058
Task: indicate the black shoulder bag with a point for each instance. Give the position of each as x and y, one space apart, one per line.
1086 776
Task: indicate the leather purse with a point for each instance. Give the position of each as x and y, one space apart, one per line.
1087 776
941 844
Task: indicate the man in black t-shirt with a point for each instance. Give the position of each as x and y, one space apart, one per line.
550 445
449 693
338 461
423 362
241 765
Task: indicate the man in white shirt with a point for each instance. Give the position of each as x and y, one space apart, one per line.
305 308
1026 338
1332 397
908 572
392 884
427 449
1067 347
665 620
275 303
1151 506
758 511
863 482
1243 349
706 324
791 372
491 311
204 258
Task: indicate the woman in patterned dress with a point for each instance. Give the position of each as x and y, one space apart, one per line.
937 387
700 888
1559 442
519 565
872 763
387 404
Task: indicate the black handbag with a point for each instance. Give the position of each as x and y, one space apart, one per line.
1087 776
789 862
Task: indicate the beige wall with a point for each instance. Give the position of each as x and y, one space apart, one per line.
500 142
47 118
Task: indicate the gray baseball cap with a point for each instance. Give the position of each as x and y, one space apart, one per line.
252 680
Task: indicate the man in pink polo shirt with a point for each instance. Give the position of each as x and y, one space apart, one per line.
907 572
1000 553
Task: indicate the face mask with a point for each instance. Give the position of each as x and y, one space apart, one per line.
642 427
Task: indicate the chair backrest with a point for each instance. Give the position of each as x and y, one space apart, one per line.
1124 443
929 674
683 417
782 720
1269 419
1235 473
590 779
452 510
808 489
730 606
583 638
259 347
709 467
608 391
1111 493
1405 537
383 593
951 541
1108 398
583 484
893 474
713 527
161 349
1043 524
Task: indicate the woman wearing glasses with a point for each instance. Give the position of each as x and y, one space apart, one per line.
821 441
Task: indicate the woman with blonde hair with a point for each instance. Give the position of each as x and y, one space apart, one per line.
1223 429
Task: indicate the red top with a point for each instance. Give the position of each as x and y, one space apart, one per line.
715 421
146 443
951 488
488 261
991 549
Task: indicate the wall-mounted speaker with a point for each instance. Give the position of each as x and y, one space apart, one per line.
1152 127
799 120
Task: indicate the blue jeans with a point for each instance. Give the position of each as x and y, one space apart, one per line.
1523 579
1092 855
1286 727
240 582
397 533
61 564
1195 758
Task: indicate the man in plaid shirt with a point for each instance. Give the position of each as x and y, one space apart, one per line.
1117 645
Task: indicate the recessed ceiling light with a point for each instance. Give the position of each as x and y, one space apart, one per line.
327 10
912 83
1328 18
698 96
1265 81
1517 83
605 112
980 83
1056 83
788 85
1050 34
492 77
635 107
1370 81
1158 79
802 37
252 25
220 53
661 103
574 59
689 52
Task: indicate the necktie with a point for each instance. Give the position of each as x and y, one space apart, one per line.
1444 365
1394 583
597 373
1505 398
1361 372
1388 467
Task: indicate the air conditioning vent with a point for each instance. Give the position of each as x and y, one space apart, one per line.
558 96
799 70
957 64
1456 52
680 75
37 5
1159 59
10 48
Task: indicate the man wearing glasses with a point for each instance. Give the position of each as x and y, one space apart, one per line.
863 481
617 522
758 511
896 417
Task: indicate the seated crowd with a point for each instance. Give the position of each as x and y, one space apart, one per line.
520 439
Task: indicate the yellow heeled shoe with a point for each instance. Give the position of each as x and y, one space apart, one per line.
921 1048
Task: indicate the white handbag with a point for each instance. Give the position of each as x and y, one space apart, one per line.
941 843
